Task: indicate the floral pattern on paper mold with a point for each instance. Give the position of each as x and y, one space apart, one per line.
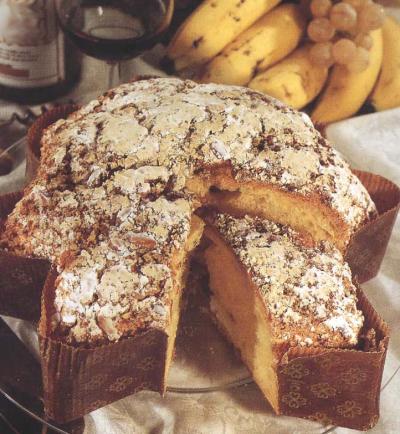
323 390
121 383
349 409
294 400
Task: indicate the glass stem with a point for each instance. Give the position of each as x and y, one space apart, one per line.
114 74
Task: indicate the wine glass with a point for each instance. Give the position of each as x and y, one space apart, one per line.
114 30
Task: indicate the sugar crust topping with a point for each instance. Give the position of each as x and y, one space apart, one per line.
308 291
113 245
122 161
124 282
182 126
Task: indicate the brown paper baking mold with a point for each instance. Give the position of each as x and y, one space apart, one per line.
91 378
78 380
338 386
368 245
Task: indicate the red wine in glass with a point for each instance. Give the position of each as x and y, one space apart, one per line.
115 30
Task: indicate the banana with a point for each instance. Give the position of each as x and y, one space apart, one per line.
212 26
268 40
347 91
386 94
294 80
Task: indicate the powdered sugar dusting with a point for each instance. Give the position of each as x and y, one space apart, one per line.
307 289
111 192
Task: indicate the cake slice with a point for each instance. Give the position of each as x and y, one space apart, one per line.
273 289
130 282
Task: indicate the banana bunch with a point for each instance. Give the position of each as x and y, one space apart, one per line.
386 94
347 91
294 80
258 43
212 26
270 39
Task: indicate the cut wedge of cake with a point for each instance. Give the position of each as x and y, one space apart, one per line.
272 289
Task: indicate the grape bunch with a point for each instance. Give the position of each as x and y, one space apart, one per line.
341 32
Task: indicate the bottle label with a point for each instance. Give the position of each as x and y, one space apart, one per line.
31 45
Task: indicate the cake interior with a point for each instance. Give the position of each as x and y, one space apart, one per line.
241 315
180 263
266 201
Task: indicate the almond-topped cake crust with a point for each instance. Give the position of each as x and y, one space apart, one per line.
307 290
133 165
124 283
184 128
116 247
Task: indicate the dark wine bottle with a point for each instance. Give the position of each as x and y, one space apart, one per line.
37 62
